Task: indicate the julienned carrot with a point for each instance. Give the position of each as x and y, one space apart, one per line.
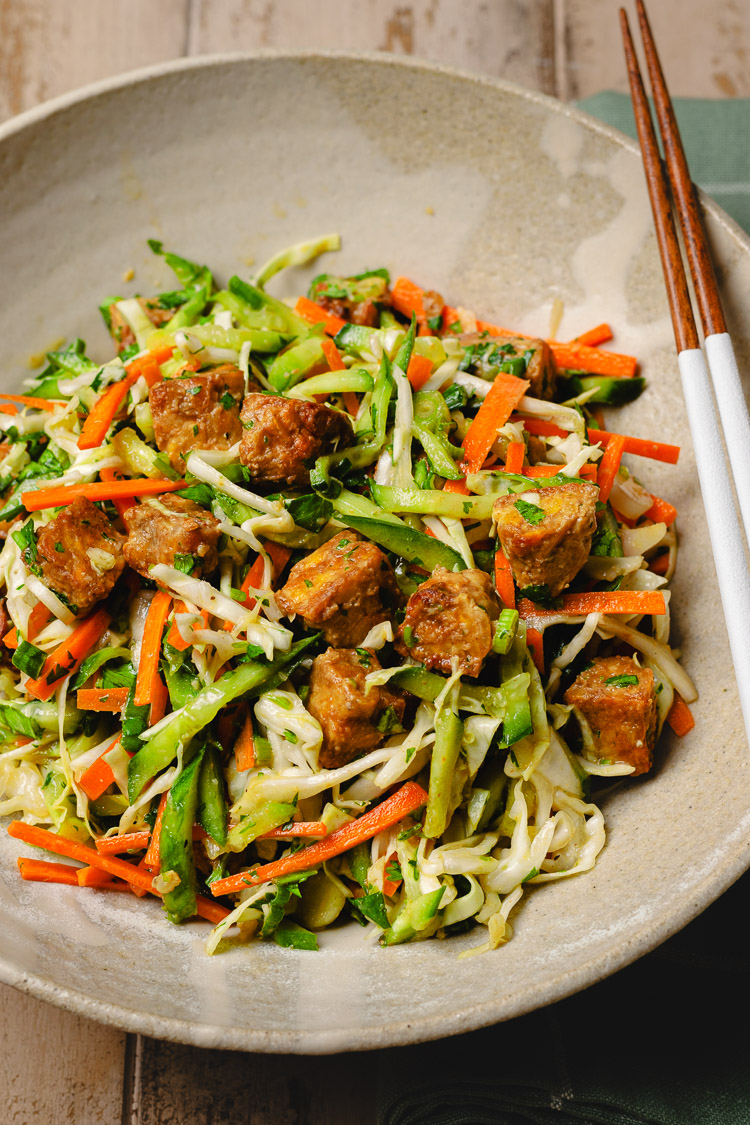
418 371
99 776
173 636
159 700
390 886
42 871
609 465
406 298
539 472
8 408
94 877
103 412
67 657
600 601
148 666
128 842
504 579
594 361
641 447
458 486
333 355
680 717
595 336
31 400
408 798
151 858
659 565
102 699
121 506
316 314
120 868
98 490
661 511
504 395
535 645
514 457
300 828
38 618
244 749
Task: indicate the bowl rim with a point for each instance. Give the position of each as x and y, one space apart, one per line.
565 983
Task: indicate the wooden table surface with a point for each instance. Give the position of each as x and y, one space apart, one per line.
58 1067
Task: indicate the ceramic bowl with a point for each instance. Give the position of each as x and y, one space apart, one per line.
506 202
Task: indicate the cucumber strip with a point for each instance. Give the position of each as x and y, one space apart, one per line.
176 842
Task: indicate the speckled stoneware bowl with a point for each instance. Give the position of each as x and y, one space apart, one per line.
503 200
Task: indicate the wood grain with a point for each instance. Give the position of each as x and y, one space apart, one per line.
189 1086
704 47
57 1067
507 38
48 47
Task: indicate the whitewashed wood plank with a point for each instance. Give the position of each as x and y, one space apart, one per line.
57 1066
704 48
50 46
190 1086
503 38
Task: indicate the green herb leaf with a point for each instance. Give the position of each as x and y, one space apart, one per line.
532 513
29 659
624 680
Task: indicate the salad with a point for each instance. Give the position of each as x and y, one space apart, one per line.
343 609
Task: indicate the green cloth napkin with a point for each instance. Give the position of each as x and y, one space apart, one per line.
664 1041
716 136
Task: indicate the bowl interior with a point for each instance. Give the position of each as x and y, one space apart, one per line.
505 202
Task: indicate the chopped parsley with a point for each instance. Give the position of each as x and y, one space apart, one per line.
625 680
532 513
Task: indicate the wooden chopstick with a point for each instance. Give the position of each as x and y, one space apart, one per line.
724 525
718 343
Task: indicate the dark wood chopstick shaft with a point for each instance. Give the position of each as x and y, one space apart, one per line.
683 190
683 322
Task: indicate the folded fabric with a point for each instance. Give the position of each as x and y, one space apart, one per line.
664 1041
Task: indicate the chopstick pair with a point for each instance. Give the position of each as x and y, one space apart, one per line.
728 530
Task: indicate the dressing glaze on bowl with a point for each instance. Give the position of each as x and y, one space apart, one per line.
503 200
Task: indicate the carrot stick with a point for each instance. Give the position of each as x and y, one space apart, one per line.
121 506
102 699
333 355
99 776
151 858
159 701
405 801
406 298
38 618
31 400
102 414
68 656
390 886
418 371
514 457
593 360
128 842
680 717
503 397
148 666
599 601
8 408
661 511
504 579
535 645
301 828
595 336
660 565
42 871
173 636
316 314
539 472
244 750
458 486
41 838
98 490
641 447
93 877
609 465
